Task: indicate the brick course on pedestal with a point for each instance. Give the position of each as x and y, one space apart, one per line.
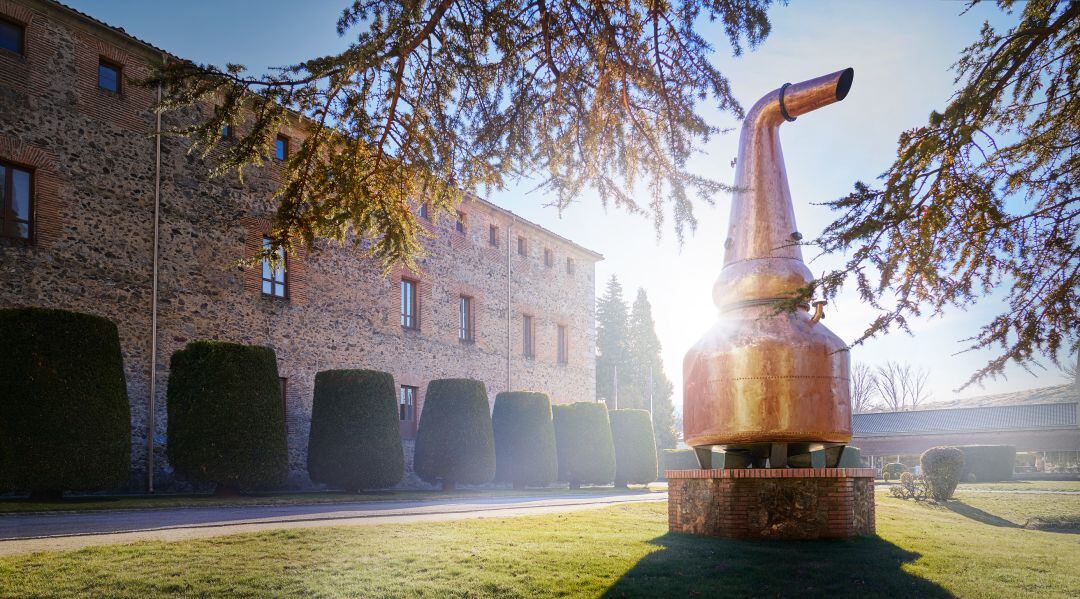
792 503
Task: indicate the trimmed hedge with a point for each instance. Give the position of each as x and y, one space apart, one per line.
941 467
226 422
892 470
355 441
583 443
989 463
65 422
524 439
635 447
455 443
677 459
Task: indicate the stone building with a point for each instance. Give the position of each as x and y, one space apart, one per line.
100 218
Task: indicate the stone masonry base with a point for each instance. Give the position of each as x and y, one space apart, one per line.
762 503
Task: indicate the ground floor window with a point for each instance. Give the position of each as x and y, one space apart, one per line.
407 410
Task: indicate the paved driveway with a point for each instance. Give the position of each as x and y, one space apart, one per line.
28 533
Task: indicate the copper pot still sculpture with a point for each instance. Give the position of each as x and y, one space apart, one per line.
768 388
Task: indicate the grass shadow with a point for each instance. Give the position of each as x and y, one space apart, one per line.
963 509
692 566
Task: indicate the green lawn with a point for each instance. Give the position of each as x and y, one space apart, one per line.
922 551
121 502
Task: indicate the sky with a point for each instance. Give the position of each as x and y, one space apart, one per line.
901 53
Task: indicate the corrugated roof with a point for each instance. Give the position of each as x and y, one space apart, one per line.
1059 393
959 420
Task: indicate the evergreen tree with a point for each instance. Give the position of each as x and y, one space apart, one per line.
643 348
612 323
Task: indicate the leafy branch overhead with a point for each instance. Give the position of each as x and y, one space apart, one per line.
981 202
437 99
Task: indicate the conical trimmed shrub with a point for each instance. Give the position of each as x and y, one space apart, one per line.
355 442
635 447
524 439
583 443
65 422
226 422
455 443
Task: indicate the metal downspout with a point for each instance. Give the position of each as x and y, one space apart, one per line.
151 415
509 311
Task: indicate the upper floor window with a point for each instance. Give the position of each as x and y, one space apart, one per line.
16 184
561 344
528 347
410 318
12 36
569 265
109 76
407 403
425 211
459 224
281 147
493 235
549 258
465 318
523 246
273 272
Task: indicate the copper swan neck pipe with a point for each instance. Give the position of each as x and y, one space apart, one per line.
762 261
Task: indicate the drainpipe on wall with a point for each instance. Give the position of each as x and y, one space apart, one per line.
509 312
151 423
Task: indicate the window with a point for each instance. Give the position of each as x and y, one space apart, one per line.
465 319
284 383
549 258
281 147
493 235
407 403
459 225
226 132
569 265
562 345
12 36
527 346
425 211
16 185
108 76
523 247
410 318
273 275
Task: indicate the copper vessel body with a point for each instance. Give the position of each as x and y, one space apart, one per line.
759 376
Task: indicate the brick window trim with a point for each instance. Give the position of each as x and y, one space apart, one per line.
46 207
416 301
255 229
130 106
23 23
29 239
562 350
116 66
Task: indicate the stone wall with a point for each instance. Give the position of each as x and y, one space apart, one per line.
763 503
93 158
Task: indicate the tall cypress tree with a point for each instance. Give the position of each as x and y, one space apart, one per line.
643 349
612 328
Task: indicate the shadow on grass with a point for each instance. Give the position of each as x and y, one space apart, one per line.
692 566
959 507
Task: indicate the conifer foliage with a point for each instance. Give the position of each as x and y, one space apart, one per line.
981 198
437 98
626 343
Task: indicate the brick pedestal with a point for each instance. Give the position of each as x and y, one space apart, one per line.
791 503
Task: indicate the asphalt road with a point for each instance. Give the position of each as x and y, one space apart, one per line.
34 532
